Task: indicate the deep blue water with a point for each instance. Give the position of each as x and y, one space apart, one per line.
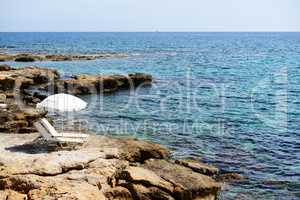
230 99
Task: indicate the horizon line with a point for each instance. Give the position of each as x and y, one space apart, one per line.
298 31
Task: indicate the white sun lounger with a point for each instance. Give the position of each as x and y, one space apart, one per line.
3 105
53 132
50 134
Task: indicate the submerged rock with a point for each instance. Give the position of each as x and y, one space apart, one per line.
198 167
31 57
229 177
25 58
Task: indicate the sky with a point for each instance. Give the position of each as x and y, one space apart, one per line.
149 15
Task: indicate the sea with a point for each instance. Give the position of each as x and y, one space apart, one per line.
227 99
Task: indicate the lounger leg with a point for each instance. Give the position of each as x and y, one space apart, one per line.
37 139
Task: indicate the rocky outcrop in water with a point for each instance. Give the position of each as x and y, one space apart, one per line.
91 84
13 80
29 85
104 168
16 116
31 57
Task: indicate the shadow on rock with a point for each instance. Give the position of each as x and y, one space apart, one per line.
41 146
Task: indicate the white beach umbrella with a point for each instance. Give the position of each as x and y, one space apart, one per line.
62 103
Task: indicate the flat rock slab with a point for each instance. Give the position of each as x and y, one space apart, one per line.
102 168
188 184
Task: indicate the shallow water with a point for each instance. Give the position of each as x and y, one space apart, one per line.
230 99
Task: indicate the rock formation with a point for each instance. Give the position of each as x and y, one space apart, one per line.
91 84
17 116
104 168
22 88
31 57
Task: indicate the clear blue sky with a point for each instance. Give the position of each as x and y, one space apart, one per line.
149 15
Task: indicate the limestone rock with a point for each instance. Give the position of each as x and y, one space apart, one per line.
6 83
139 175
38 75
67 190
97 170
5 68
139 78
16 125
148 193
25 58
124 82
22 183
118 193
11 195
31 57
13 83
139 151
229 177
14 120
201 168
188 184
78 87
91 84
21 78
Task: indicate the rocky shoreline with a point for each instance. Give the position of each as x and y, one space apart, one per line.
27 86
104 167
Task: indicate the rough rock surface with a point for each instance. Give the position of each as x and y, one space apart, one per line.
91 84
14 80
229 177
31 57
198 167
17 116
13 119
5 68
103 168
187 183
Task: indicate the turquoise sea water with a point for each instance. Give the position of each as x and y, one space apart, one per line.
229 99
